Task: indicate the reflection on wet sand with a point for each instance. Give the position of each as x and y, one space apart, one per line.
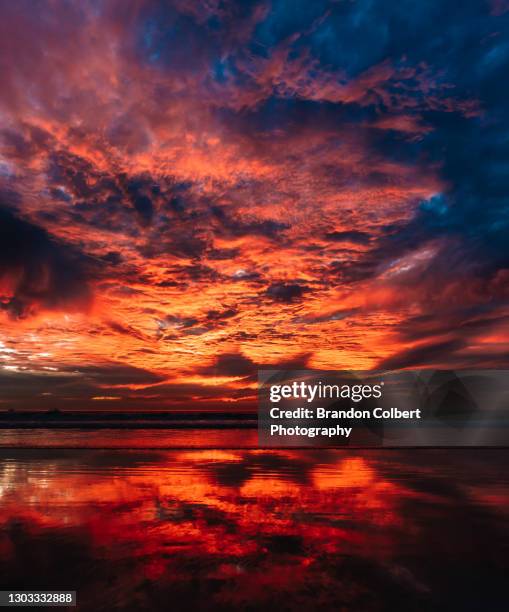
251 529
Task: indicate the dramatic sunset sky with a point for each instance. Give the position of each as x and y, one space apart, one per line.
190 191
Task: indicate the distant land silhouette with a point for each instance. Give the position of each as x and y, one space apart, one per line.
117 419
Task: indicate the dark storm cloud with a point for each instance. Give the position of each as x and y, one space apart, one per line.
125 330
116 374
144 208
41 271
222 254
238 364
220 315
113 258
138 191
79 176
238 227
192 37
286 292
95 198
175 238
472 212
463 321
74 384
180 322
230 364
17 145
194 273
169 39
423 355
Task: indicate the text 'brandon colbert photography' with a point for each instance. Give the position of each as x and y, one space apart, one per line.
310 392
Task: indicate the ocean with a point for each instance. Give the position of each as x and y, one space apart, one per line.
189 519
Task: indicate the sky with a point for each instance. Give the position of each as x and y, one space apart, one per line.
192 191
